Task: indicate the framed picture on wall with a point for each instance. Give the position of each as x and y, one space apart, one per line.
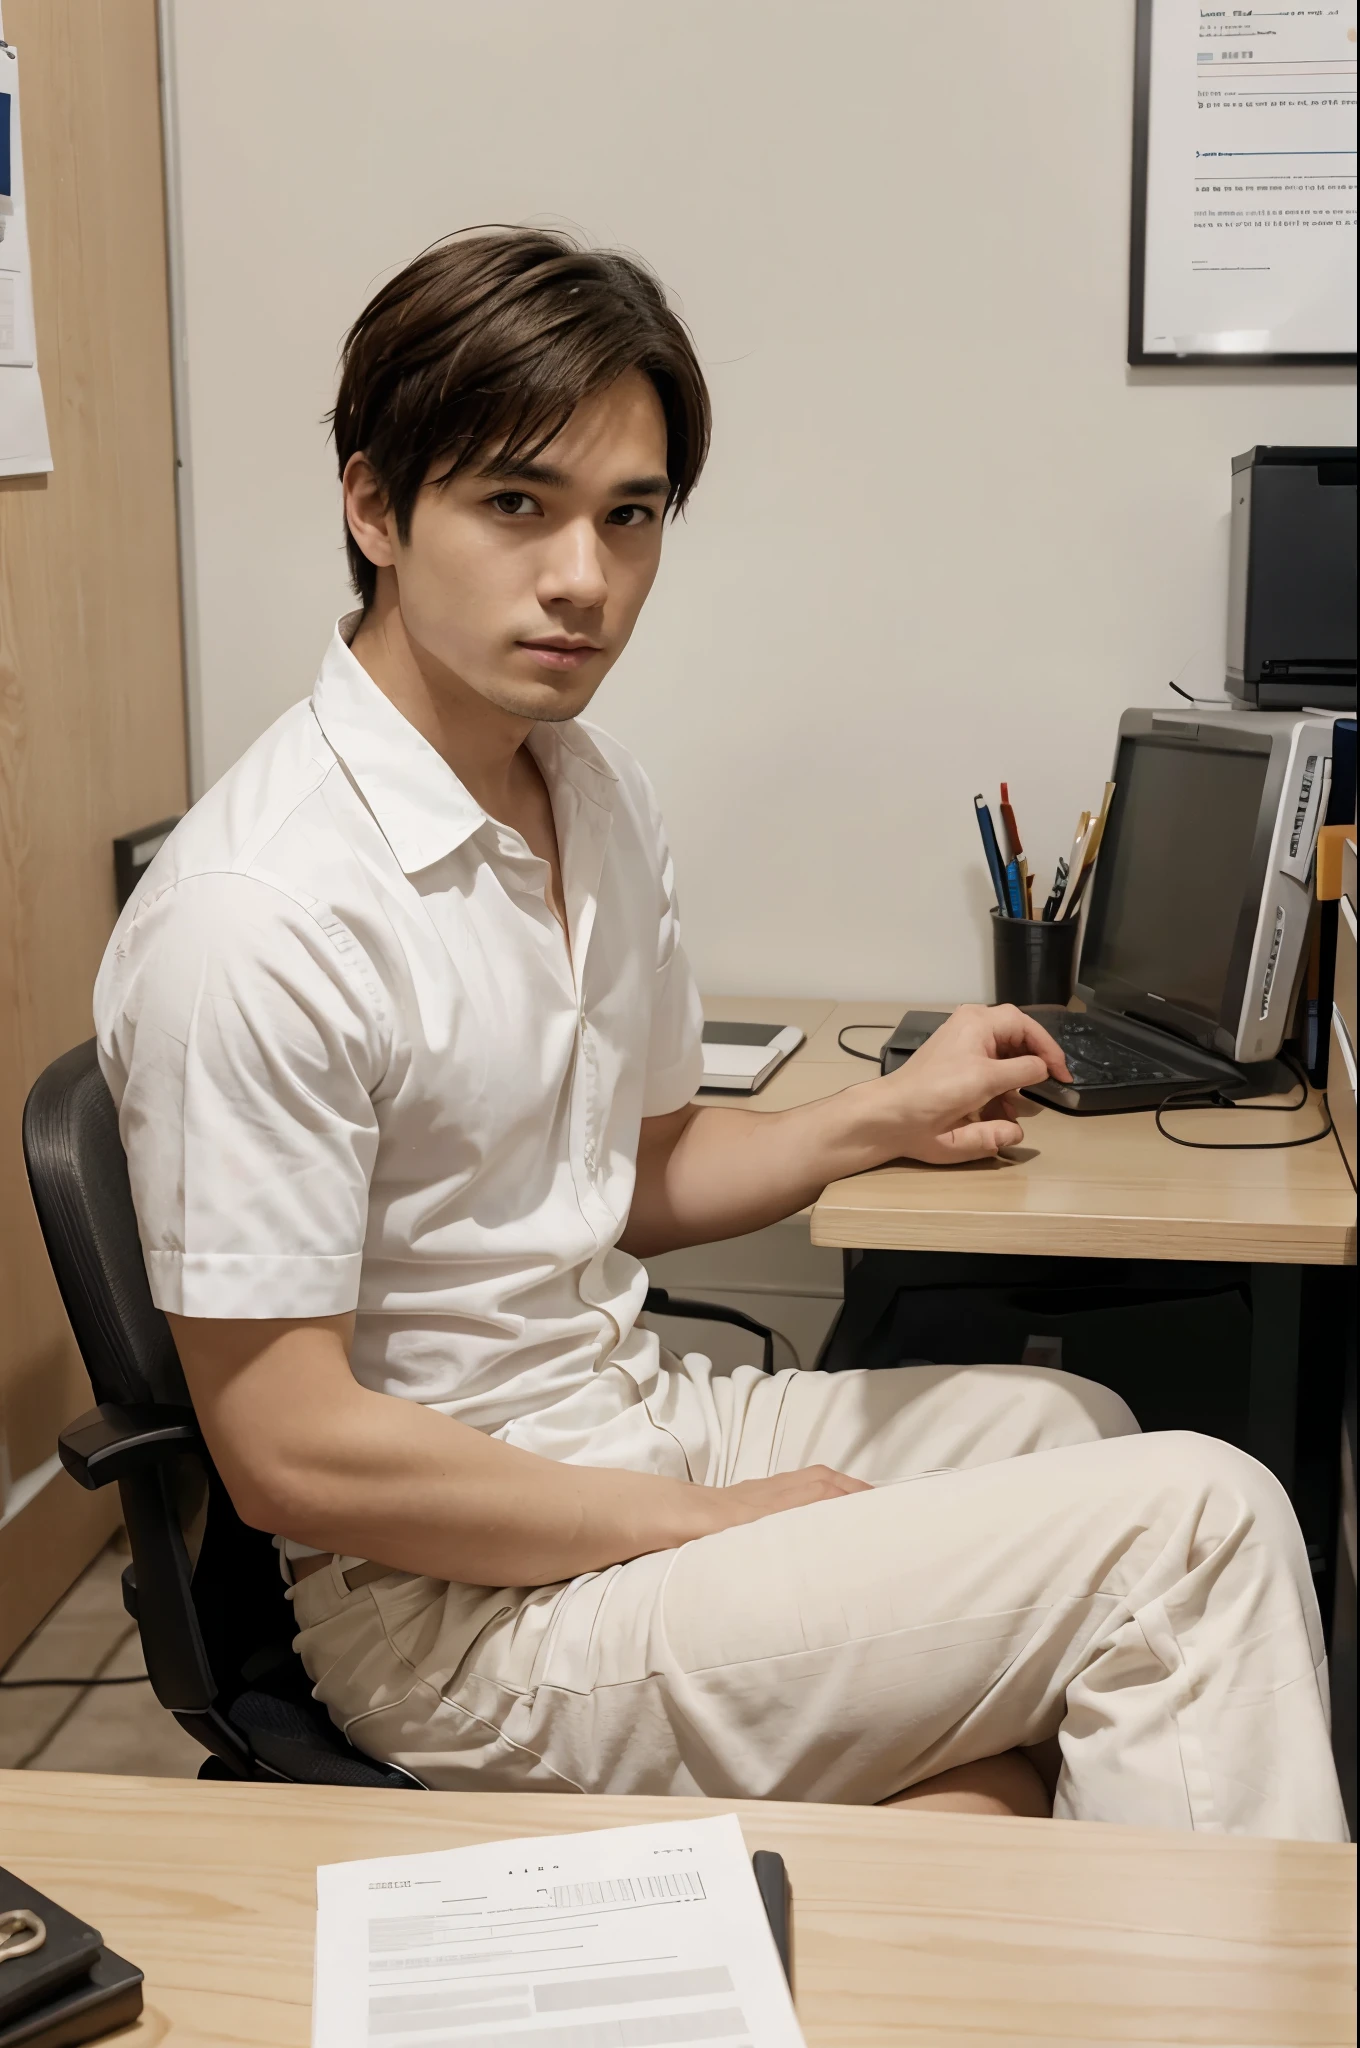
1244 184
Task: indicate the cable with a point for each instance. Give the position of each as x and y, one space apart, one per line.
1201 1098
1220 701
69 1708
26 1684
1186 1098
853 1050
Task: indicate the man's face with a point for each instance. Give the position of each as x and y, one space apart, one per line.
526 581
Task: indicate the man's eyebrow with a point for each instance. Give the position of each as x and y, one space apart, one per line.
643 487
555 479
528 473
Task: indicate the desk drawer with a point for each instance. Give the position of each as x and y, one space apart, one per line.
1343 988
1341 1090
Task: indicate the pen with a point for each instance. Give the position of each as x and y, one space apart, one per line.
1093 847
1075 904
1009 828
993 853
1015 889
1075 862
1089 852
1055 893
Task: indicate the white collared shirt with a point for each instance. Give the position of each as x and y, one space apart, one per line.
357 1067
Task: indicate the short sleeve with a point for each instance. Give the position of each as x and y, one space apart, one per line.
675 1056
242 1037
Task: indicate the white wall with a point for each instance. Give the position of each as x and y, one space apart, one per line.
946 534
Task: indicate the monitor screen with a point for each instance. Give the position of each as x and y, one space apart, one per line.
1173 870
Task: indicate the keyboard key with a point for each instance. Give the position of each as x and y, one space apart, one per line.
1099 1061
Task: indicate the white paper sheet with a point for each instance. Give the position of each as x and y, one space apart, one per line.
1251 180
24 446
621 1938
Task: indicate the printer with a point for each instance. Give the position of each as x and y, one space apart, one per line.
1291 579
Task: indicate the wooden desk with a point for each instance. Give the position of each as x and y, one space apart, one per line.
1102 1189
925 1928
1079 1187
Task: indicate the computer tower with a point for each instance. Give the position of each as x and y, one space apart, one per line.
1292 579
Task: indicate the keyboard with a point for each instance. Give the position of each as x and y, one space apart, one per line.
1099 1061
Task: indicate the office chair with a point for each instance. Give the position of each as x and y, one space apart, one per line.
203 1588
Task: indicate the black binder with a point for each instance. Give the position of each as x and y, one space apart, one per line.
70 1990
108 1996
68 1952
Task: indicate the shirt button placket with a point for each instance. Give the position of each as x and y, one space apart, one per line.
588 1053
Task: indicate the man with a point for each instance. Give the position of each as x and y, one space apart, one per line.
405 1044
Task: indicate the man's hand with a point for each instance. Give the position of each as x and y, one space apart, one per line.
725 1507
958 1097
705 1173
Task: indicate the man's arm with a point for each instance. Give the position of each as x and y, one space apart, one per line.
305 1451
706 1173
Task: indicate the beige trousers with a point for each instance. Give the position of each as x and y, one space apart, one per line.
1026 1566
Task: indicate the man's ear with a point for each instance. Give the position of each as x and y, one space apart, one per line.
367 512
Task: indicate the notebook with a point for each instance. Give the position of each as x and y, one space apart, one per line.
739 1058
69 1988
68 1949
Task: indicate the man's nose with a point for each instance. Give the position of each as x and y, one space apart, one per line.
574 571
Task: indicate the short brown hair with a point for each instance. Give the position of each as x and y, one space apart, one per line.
490 340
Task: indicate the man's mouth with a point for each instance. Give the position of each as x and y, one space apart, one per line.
559 651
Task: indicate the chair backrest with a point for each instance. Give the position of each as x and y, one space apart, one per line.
200 1617
217 1630
79 1177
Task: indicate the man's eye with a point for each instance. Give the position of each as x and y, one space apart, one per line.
631 515
517 504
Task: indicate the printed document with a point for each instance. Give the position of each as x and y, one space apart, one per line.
621 1938
24 446
1251 179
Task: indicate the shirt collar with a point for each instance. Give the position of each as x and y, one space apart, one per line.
422 809
567 752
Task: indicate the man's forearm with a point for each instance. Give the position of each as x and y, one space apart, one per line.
718 1173
375 1477
707 1173
305 1451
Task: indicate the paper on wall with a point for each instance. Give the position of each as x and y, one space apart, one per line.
24 446
1251 180
620 1938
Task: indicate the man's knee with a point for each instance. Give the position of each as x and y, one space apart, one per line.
1109 1411
1073 1410
1229 1467
1245 1492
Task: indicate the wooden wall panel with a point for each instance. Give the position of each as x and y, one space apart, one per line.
91 687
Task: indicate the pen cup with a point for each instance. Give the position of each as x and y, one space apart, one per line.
1033 962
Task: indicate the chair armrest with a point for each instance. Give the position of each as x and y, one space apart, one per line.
110 1442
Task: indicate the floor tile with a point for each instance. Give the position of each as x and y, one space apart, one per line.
117 1728
122 1729
80 1633
27 1719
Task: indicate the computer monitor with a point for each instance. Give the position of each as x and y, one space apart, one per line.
1202 893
